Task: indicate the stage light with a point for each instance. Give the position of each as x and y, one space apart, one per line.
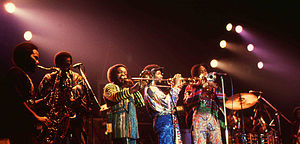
260 65
229 27
238 29
250 47
10 7
214 63
223 43
27 35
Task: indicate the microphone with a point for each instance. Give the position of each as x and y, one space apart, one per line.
253 91
77 65
217 73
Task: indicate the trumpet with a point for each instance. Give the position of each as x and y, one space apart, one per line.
170 81
145 79
210 77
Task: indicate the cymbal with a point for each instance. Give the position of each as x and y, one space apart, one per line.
241 101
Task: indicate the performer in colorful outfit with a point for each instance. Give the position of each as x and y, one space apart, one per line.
161 103
122 97
202 98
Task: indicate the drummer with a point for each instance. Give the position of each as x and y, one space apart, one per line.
202 98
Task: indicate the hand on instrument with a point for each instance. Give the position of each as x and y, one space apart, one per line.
76 91
44 120
207 87
137 86
143 83
177 80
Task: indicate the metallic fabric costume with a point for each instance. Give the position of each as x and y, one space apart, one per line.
66 115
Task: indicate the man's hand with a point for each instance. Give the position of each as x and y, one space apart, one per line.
44 120
135 87
177 80
143 84
76 91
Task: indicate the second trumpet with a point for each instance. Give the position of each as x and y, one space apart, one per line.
170 81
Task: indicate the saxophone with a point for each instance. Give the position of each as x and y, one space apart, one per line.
60 112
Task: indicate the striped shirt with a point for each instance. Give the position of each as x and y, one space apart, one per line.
122 113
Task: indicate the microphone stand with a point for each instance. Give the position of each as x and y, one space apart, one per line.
277 115
225 115
92 96
177 115
244 140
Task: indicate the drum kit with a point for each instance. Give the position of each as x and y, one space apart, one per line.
251 119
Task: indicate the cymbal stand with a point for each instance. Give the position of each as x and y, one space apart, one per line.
277 116
244 139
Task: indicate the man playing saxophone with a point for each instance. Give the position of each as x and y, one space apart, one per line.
17 116
64 95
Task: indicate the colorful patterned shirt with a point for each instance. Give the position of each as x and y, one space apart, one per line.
122 110
203 100
160 105
160 102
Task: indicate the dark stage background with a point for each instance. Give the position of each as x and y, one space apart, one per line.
175 34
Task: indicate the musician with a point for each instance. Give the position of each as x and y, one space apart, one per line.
122 97
160 103
17 116
296 135
64 92
202 99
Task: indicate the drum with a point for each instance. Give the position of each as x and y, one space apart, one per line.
254 138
